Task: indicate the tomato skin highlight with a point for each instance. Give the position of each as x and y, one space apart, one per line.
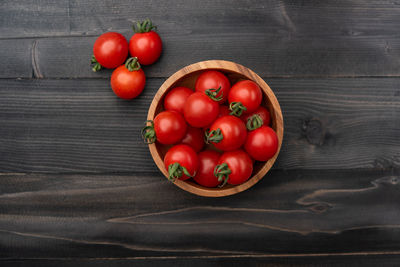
233 132
262 143
240 164
127 84
248 93
176 99
200 110
213 79
170 127
110 49
146 47
208 159
194 138
260 111
185 156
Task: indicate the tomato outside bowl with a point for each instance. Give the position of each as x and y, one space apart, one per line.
235 72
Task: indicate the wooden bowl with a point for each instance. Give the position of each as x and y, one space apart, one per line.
187 77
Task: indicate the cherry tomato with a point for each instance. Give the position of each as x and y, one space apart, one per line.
169 127
194 138
145 44
208 160
261 143
109 51
128 81
214 83
181 162
244 97
260 111
227 133
200 110
234 167
176 98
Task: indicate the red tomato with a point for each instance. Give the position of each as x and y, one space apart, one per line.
234 167
244 97
145 44
128 81
194 138
181 162
169 127
110 51
261 143
200 110
176 98
262 112
227 133
214 83
208 160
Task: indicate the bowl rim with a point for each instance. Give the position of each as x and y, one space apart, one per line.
229 66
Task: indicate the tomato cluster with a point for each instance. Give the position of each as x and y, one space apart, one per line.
213 142
111 51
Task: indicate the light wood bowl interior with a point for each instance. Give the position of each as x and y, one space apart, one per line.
187 77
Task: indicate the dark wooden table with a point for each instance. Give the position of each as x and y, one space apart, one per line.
79 188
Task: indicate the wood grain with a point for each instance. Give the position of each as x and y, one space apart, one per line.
118 216
26 18
336 57
284 261
17 58
80 126
274 38
78 187
40 18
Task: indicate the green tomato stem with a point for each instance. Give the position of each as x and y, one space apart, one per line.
176 171
144 26
212 93
214 136
237 108
222 172
148 133
95 64
132 64
254 122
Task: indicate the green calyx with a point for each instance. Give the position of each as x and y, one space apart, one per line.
254 122
212 93
237 108
214 136
148 133
144 26
95 65
222 172
175 171
132 64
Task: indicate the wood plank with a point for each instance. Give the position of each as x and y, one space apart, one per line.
80 126
37 18
16 58
288 213
69 57
40 18
360 260
276 39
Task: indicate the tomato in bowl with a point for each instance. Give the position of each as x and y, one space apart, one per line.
187 77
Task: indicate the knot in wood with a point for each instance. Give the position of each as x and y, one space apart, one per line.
320 207
314 131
